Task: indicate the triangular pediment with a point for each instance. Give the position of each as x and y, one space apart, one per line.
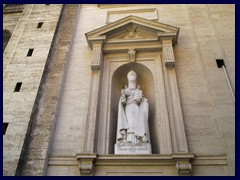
133 28
132 31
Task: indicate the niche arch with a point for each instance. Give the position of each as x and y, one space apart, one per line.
119 80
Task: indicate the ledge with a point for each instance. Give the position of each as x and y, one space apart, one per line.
153 159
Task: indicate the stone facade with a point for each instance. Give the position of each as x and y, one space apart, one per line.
61 122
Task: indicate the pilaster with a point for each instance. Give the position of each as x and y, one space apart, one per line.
177 125
90 140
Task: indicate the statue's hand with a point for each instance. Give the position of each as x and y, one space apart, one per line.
123 97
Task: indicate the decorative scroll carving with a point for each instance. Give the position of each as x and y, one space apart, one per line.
168 55
132 55
86 168
86 163
183 164
184 168
96 55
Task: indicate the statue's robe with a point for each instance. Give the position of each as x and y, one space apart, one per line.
133 118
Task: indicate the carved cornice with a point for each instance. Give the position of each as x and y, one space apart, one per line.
13 8
132 29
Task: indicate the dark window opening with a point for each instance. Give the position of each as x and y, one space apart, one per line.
39 24
30 51
18 87
6 37
5 125
220 63
47 4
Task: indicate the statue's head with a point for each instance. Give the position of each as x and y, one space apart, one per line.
132 78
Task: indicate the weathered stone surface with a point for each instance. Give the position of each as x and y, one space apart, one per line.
16 69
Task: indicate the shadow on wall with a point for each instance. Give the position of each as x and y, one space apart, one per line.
6 38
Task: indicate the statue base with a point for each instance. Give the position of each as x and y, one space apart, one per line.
130 148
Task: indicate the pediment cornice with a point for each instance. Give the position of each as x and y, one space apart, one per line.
133 29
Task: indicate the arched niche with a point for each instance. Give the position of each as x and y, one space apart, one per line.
119 80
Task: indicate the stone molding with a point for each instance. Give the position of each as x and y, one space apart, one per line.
152 13
13 8
181 161
184 163
111 159
162 30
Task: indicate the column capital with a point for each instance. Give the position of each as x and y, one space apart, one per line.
167 36
96 42
166 41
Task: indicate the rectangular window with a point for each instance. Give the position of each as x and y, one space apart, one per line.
5 125
18 87
39 24
220 63
30 51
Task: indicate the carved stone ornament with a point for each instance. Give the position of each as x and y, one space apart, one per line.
86 168
95 67
86 163
184 168
132 55
169 64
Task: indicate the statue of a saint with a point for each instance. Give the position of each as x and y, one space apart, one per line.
132 124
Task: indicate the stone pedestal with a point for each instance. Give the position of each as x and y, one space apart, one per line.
129 148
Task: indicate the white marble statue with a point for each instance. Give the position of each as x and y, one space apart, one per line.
132 124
